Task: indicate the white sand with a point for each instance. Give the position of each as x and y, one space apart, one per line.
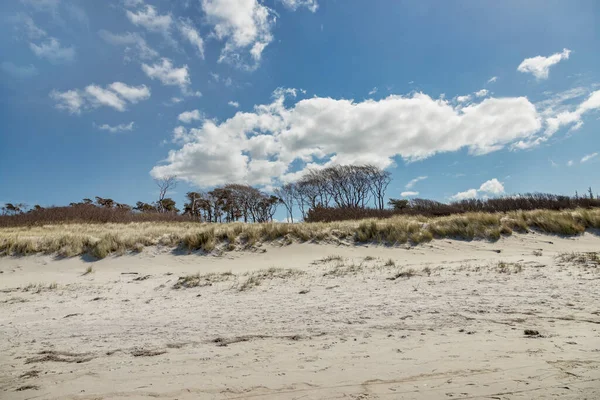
455 333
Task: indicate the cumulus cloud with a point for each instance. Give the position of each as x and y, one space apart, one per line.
588 157
467 194
413 182
493 187
539 66
409 194
295 4
245 27
482 93
169 75
16 71
492 79
189 116
463 99
135 45
260 146
234 104
187 30
116 96
116 128
53 51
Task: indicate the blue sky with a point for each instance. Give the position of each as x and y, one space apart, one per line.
476 98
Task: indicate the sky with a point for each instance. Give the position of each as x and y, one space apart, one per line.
464 99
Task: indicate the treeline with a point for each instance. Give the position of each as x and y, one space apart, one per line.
336 193
432 208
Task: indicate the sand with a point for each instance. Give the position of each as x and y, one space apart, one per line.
445 322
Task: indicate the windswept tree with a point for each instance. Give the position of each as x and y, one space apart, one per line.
168 205
164 185
287 197
341 186
106 203
144 207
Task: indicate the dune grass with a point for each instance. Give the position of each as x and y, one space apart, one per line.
100 240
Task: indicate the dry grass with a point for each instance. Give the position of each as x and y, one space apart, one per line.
589 259
100 240
199 280
508 267
40 287
256 278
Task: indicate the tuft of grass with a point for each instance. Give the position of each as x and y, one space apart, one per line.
256 278
332 258
341 269
508 267
586 259
409 273
390 263
40 287
199 280
88 271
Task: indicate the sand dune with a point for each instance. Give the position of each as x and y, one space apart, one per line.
443 320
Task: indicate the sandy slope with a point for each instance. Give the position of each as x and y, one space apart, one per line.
454 330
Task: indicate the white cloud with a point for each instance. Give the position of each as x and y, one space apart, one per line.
188 31
373 91
493 186
559 102
492 79
554 123
295 4
53 51
463 99
570 163
116 96
409 194
168 74
117 128
150 19
133 42
71 100
588 157
468 194
189 116
414 181
132 94
20 72
244 25
234 104
539 66
257 147
99 96
482 93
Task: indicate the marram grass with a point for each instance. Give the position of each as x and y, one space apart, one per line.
100 240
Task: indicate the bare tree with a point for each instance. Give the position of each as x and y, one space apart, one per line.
287 197
164 185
